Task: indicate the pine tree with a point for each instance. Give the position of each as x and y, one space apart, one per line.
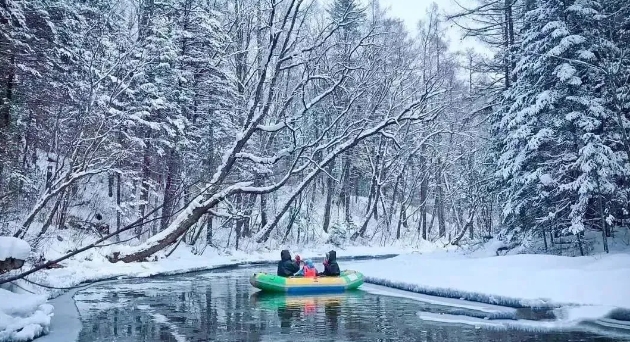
560 167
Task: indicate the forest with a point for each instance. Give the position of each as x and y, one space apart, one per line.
142 125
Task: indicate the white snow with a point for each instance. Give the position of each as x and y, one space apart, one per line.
79 270
93 266
515 280
11 247
582 313
23 317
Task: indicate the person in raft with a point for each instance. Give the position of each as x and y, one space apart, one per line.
308 270
286 266
331 267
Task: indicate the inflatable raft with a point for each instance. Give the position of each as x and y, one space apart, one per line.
349 280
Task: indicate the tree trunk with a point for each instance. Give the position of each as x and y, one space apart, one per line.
170 189
118 197
110 185
390 214
432 219
5 108
468 226
165 241
400 219
238 222
471 229
603 218
344 194
248 204
209 230
292 218
263 211
439 202
329 196
52 213
144 190
424 187
364 225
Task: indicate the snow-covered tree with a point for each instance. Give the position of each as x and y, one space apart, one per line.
560 161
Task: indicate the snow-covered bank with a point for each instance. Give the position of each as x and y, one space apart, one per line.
23 317
92 266
516 280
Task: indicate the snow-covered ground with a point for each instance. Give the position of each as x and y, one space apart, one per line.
93 266
23 316
31 316
579 288
597 283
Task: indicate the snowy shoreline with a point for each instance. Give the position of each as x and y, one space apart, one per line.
578 288
79 274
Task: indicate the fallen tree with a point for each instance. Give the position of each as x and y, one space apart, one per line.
401 97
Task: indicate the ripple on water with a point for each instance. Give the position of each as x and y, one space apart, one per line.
226 308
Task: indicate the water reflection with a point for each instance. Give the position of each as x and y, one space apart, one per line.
224 307
295 308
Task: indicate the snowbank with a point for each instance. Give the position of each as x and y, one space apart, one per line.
32 313
23 317
516 280
15 248
93 266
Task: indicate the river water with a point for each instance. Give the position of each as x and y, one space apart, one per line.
223 306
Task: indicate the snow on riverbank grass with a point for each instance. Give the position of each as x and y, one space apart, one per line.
93 266
23 317
515 280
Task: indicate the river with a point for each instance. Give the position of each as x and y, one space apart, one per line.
223 306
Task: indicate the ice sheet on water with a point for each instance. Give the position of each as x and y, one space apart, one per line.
485 310
66 323
458 294
605 327
537 326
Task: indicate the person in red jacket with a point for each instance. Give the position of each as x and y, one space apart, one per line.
308 270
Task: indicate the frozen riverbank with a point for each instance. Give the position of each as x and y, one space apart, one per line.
597 282
92 267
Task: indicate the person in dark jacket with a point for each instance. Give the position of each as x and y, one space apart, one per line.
286 266
331 268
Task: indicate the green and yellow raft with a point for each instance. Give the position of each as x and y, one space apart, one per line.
349 280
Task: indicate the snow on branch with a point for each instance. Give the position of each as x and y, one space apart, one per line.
265 160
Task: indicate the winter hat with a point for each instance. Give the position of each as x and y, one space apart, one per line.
309 263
